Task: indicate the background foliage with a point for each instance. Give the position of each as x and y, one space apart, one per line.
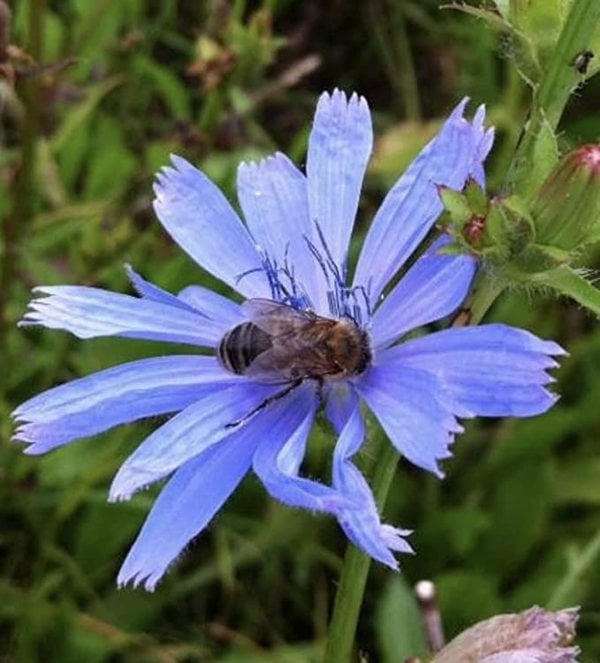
103 92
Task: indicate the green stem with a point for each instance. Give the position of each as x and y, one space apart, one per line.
353 580
567 592
388 25
408 74
559 79
484 293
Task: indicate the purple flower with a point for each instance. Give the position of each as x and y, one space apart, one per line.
532 636
289 261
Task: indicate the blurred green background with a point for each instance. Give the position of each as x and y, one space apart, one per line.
95 95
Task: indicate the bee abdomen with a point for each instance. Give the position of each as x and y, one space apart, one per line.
241 345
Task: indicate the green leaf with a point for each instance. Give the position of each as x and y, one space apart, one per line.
542 22
399 626
491 17
579 482
566 281
544 157
456 204
520 511
76 119
582 567
170 88
503 7
465 597
538 258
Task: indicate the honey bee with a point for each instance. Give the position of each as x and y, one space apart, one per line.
280 344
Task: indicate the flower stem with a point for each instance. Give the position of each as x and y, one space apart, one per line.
484 293
353 579
558 81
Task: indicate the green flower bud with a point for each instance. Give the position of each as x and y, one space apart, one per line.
466 213
566 210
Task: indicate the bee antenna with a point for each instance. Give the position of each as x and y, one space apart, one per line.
239 277
294 295
318 257
365 295
330 261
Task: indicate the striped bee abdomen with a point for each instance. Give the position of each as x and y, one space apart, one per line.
241 346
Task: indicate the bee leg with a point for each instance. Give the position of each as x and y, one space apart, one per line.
268 401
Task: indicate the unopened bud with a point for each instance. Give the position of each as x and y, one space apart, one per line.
566 210
533 636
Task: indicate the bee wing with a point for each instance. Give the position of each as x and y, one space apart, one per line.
287 362
276 318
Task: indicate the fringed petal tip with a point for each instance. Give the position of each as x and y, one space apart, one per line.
175 179
394 539
458 114
138 579
128 481
20 435
339 101
555 350
273 160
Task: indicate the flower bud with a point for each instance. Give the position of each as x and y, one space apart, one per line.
532 636
566 210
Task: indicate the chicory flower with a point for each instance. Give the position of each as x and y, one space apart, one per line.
292 251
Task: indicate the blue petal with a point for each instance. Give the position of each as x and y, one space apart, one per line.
277 460
362 525
185 507
91 312
339 148
273 196
339 402
491 370
187 434
214 306
413 204
220 310
200 487
148 290
431 289
118 395
199 218
413 410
